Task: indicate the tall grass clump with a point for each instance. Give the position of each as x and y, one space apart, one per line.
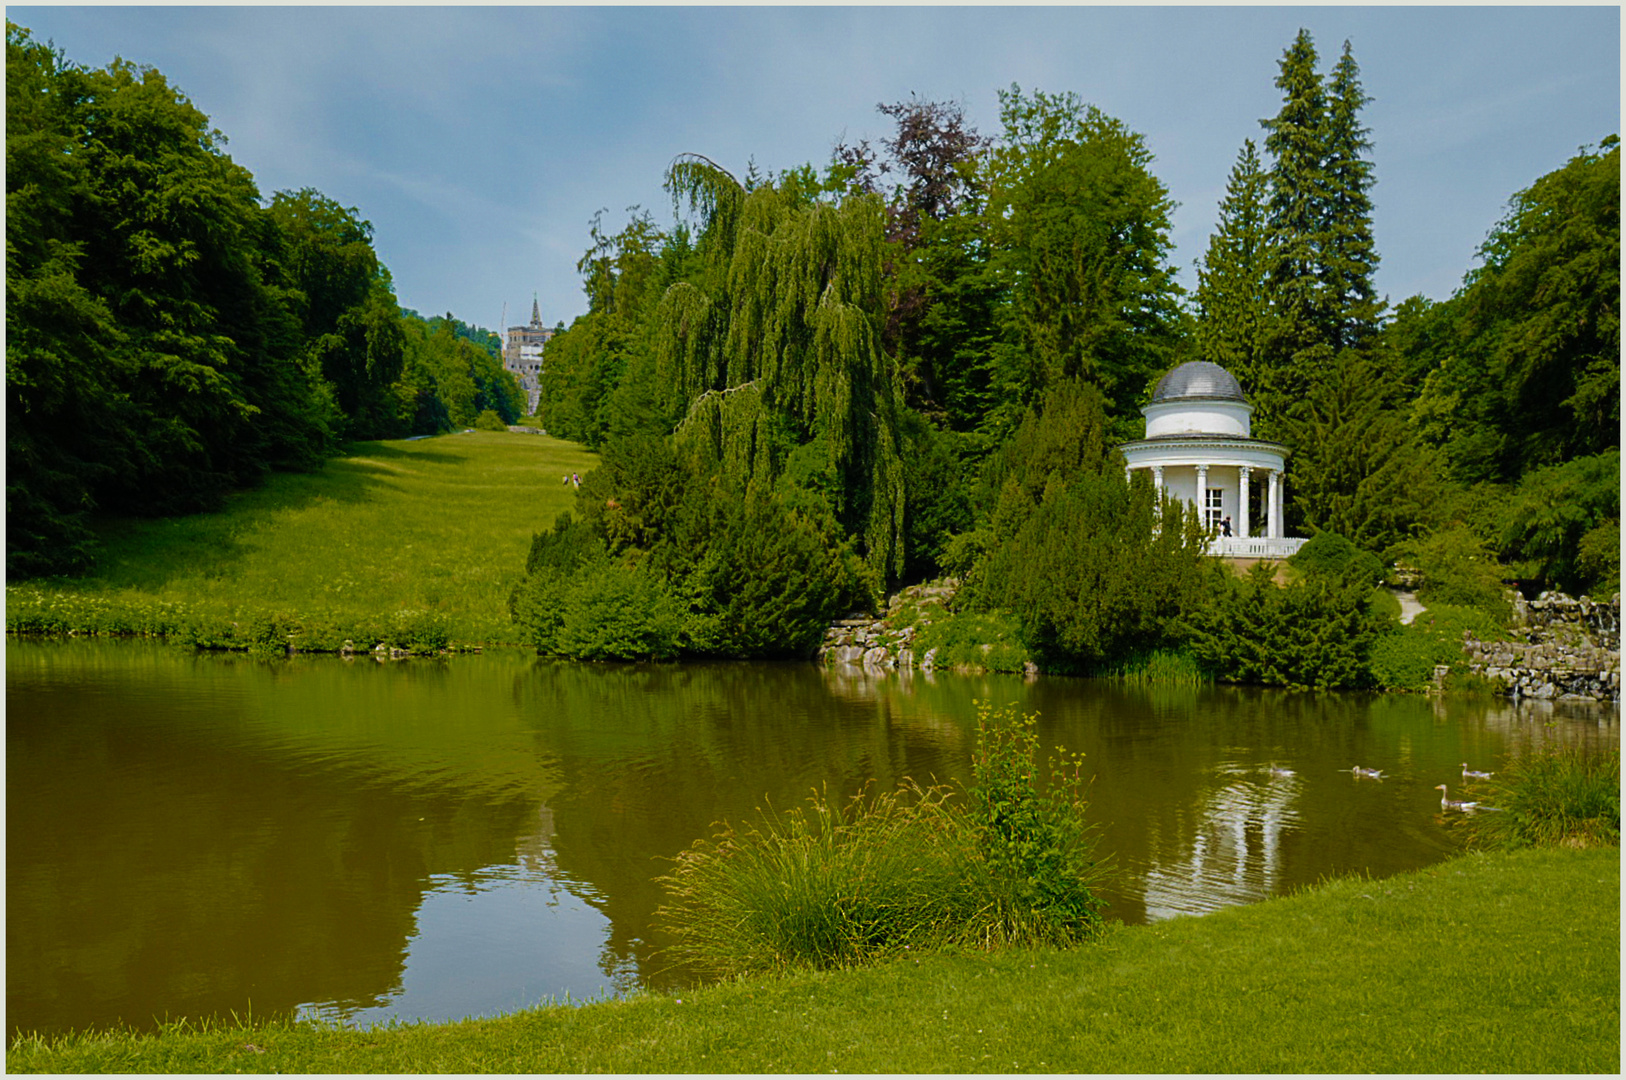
1159 667
1564 798
1002 863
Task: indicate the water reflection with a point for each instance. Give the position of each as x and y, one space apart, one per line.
193 835
1231 851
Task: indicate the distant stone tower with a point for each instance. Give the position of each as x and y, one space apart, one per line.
523 355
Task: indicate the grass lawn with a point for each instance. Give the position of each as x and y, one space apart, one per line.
438 525
1504 963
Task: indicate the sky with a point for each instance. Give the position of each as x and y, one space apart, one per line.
480 141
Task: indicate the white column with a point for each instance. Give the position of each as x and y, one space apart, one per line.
1202 495
1273 526
1157 479
1242 475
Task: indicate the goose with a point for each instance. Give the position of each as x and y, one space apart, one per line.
1471 774
1371 774
1448 803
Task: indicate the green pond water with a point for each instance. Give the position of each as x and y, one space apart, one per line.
195 835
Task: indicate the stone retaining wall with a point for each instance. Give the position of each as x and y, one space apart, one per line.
1571 649
882 643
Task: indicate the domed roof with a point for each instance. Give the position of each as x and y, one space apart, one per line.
1198 379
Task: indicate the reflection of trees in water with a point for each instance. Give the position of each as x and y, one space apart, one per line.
1529 727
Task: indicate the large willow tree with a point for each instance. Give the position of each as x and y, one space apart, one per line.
776 343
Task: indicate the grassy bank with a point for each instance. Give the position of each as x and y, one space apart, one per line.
429 532
1500 963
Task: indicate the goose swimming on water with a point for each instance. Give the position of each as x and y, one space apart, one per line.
1370 774
1471 774
1448 803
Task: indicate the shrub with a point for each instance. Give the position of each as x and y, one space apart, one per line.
1037 866
1460 571
1405 658
614 612
828 885
488 420
1331 555
1564 798
823 886
1317 632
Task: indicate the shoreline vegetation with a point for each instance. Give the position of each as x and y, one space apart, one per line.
1496 962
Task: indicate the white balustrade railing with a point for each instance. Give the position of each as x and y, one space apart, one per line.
1255 547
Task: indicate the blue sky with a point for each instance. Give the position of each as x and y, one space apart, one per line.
479 141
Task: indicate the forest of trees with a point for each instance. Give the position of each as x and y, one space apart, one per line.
918 359
170 335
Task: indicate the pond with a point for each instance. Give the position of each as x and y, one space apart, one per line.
195 835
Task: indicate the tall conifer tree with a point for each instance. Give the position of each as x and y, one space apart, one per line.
1299 198
1349 257
1233 294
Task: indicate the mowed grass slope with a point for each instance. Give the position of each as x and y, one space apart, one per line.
438 525
1502 963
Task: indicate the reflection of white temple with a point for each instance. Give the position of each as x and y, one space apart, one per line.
1234 853
1199 446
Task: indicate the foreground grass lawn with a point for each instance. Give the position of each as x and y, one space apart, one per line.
1499 963
440 525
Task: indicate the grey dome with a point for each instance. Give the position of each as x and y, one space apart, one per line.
1198 379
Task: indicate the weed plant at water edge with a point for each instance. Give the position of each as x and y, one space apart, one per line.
830 885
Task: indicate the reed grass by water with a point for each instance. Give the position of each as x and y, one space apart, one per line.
1500 962
411 541
1568 797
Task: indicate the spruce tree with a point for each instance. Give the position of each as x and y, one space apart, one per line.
1233 294
1349 256
1299 204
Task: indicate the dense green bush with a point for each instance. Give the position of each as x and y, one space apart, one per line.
1405 658
1094 565
1552 513
1011 863
1317 632
1331 555
1458 570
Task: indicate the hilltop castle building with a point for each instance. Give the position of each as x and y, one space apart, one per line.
522 354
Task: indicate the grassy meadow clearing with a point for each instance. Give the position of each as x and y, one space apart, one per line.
435 526
1503 963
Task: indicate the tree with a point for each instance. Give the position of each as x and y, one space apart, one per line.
1349 256
1078 228
1299 201
780 331
1095 566
1233 297
1532 377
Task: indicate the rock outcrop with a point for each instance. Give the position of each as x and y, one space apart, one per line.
1569 648
883 643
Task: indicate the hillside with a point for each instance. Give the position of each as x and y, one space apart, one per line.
437 525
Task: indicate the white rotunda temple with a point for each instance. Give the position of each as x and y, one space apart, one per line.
1199 446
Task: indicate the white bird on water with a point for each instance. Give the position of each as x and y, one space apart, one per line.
1471 774
1370 774
1448 803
